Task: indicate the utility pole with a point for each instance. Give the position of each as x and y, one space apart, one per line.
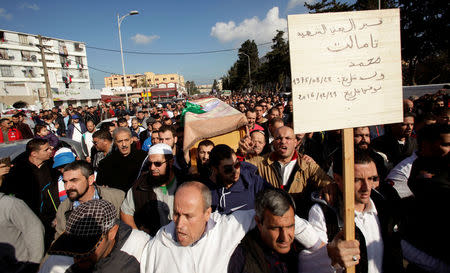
47 101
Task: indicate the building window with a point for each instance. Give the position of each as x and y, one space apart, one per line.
26 56
78 47
2 36
28 72
156 79
23 39
164 79
6 71
65 62
172 78
4 54
62 49
79 62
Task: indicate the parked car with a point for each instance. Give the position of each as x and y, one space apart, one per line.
16 148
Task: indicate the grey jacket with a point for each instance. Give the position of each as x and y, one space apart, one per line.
112 195
20 230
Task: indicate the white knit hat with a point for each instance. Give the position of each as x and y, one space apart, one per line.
160 149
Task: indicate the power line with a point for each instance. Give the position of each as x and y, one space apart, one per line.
171 53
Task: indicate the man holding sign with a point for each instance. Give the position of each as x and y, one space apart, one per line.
379 244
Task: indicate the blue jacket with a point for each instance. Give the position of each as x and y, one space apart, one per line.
240 196
71 127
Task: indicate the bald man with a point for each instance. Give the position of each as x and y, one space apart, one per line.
198 240
284 168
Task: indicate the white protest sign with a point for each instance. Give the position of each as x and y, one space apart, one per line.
345 69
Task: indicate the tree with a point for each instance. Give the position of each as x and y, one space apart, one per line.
336 6
215 86
425 47
328 6
425 50
191 88
278 67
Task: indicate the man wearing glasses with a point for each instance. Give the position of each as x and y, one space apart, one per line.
149 203
233 184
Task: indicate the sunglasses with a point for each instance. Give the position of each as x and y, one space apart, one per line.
157 163
229 168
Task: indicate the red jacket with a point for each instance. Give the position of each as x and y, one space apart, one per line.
13 134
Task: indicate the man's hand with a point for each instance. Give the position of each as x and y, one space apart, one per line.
4 169
308 159
343 253
330 193
246 145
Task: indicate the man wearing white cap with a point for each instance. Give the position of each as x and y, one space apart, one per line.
149 203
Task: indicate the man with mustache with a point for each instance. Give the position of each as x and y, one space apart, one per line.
398 144
361 138
79 183
149 203
121 167
284 168
375 224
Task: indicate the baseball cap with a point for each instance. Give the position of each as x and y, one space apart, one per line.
75 116
62 157
85 228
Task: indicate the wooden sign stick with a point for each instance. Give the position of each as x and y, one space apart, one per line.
348 162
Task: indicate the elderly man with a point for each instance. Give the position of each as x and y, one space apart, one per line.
120 168
78 178
285 169
95 241
270 246
149 203
203 241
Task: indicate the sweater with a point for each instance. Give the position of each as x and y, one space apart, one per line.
20 229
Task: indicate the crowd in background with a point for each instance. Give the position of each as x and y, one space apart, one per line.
134 159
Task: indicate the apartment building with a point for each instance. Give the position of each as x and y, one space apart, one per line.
148 79
22 70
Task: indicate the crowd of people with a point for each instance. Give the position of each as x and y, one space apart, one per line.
134 201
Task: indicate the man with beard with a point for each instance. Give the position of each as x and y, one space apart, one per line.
361 138
121 167
203 151
149 203
233 184
168 135
79 182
